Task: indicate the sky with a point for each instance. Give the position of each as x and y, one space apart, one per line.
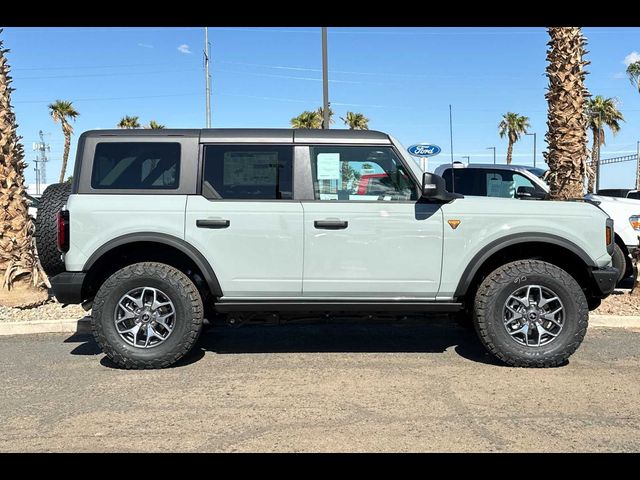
403 79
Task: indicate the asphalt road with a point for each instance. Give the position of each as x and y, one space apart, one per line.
407 387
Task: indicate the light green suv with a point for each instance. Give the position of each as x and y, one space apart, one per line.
165 227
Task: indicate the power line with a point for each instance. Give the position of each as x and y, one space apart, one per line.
95 99
119 74
82 67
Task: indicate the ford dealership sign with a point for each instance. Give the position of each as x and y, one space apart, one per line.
424 150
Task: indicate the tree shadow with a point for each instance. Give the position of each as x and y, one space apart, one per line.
318 336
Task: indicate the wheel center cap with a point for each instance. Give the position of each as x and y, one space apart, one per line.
533 315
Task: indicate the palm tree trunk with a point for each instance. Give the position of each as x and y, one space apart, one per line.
594 164
18 263
509 152
567 133
65 155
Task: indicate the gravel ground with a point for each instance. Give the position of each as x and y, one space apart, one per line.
49 311
620 303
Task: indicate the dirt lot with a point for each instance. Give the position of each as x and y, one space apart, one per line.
354 387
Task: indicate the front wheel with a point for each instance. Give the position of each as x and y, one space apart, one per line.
530 313
619 261
147 315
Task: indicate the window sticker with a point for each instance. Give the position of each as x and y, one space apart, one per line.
328 166
250 168
494 185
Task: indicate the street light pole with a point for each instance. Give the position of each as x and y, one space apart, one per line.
325 80
534 147
494 153
467 157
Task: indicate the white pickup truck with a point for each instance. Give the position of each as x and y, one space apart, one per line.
523 182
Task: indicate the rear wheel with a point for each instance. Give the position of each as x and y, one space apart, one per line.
530 313
147 315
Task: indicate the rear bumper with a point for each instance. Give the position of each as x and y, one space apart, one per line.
605 280
67 287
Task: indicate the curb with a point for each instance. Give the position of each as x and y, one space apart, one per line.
69 325
614 321
83 325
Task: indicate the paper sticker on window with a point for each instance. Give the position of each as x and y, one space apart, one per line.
494 185
328 166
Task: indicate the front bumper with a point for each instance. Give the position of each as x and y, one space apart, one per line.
67 287
605 280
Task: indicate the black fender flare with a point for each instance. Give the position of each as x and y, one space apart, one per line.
169 240
494 247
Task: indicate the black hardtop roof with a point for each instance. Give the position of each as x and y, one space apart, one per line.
246 135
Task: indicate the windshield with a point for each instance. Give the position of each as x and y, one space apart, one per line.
538 172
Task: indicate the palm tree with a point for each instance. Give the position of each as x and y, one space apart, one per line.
566 118
129 122
513 126
20 274
601 112
61 111
633 72
153 125
320 113
356 121
307 119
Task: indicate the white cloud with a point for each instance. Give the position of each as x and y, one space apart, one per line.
184 48
633 57
145 45
619 75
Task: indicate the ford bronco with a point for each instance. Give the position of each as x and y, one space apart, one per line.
164 227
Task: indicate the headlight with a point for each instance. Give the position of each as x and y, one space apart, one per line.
635 222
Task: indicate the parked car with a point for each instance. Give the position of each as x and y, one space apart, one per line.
33 204
524 182
620 192
162 226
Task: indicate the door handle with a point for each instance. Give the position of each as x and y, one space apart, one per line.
331 224
212 223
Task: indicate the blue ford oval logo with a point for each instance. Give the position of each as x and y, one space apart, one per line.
424 150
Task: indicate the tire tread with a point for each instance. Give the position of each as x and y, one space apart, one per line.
176 278
505 275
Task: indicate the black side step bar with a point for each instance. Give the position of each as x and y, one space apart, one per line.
345 306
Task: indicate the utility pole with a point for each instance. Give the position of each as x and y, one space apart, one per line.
41 148
37 169
534 148
207 77
325 80
494 153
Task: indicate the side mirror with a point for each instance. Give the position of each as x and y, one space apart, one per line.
434 187
529 193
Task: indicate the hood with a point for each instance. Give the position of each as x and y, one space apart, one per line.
617 201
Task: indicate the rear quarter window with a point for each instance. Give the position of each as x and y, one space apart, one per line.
136 166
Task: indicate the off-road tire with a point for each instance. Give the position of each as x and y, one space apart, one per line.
181 291
53 199
619 260
488 313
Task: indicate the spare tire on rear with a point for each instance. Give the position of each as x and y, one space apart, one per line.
53 199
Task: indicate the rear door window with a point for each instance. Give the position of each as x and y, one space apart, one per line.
136 166
248 172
